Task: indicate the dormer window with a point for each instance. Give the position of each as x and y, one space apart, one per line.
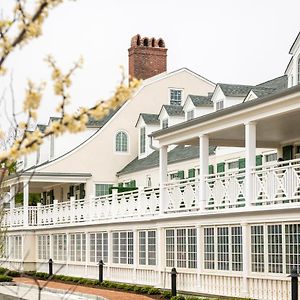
142 140
175 96
220 105
190 115
165 123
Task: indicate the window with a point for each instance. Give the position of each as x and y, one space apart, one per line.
52 149
165 123
60 247
298 70
99 247
181 248
223 248
275 254
292 241
102 189
233 165
15 247
5 247
148 180
173 175
123 247
257 248
175 97
190 115
147 247
271 157
121 142
44 247
220 105
78 247
142 140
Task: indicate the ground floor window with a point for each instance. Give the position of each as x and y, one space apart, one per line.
223 248
99 247
44 247
147 247
60 247
78 247
181 248
123 247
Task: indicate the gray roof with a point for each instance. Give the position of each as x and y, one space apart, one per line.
174 110
41 127
278 83
262 91
150 118
180 153
203 101
235 90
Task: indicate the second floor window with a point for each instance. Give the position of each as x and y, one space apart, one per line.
190 115
121 142
175 97
142 140
220 105
165 124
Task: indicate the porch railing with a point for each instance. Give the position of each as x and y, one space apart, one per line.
273 184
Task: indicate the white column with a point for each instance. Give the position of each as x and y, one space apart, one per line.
135 255
204 161
110 254
200 240
160 255
246 259
163 176
25 201
12 200
250 155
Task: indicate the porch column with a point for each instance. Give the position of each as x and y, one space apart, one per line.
204 158
25 202
246 241
163 176
12 200
250 154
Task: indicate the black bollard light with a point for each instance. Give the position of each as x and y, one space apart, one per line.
50 267
294 281
101 264
173 281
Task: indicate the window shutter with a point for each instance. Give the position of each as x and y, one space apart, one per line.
44 197
221 167
180 174
120 184
132 184
192 173
81 191
71 189
211 169
287 152
52 196
242 163
259 160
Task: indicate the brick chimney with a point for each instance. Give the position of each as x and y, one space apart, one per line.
147 57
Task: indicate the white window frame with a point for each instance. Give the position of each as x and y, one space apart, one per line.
101 183
98 248
142 140
59 247
220 104
236 160
165 123
43 247
115 143
190 114
15 247
267 154
176 89
123 253
77 247
145 247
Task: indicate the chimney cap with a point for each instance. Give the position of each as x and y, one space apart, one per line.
138 41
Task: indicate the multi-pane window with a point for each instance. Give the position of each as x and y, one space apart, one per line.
99 247
190 115
165 123
233 165
44 247
147 247
102 189
271 157
15 247
275 255
220 105
142 140
257 248
78 247
123 247
121 142
223 248
60 247
175 97
292 246
4 253
181 248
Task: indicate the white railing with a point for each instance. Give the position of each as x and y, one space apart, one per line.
277 183
225 190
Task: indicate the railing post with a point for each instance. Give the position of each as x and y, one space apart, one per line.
101 264
246 259
114 203
25 202
163 171
294 284
91 207
250 154
55 211
72 204
173 282
139 201
38 213
50 267
204 161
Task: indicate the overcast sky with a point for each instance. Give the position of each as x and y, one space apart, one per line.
230 41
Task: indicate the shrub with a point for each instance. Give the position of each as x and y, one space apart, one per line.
137 289
3 270
178 297
13 273
166 295
5 278
154 291
145 289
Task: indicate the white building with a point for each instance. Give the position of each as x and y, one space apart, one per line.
211 198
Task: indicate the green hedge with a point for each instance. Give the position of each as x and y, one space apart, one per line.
5 278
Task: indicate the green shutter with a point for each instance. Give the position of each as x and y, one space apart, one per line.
180 174
44 198
210 169
81 191
120 184
287 152
221 167
242 163
132 184
52 196
259 160
192 173
71 189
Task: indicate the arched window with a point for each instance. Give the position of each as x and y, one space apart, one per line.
298 69
121 142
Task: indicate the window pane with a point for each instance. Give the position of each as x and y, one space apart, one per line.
257 248
209 248
275 249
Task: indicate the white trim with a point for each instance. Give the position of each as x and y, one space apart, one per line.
176 89
128 143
